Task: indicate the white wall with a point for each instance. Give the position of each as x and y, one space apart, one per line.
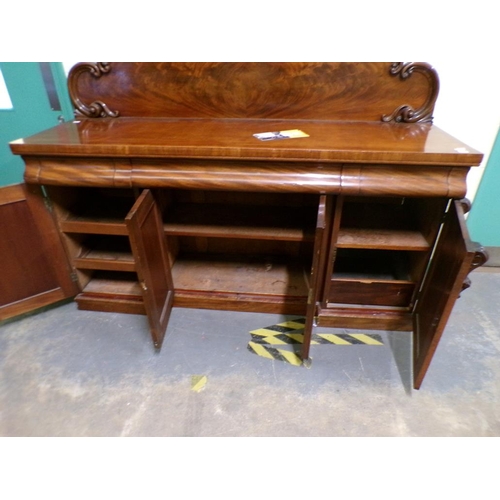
67 66
5 102
468 107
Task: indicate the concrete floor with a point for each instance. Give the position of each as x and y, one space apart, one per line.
65 372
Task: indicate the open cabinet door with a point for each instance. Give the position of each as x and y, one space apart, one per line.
34 268
149 248
320 252
452 261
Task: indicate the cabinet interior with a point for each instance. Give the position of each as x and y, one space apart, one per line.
252 247
241 247
380 249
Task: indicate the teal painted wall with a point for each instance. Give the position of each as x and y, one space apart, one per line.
31 111
483 221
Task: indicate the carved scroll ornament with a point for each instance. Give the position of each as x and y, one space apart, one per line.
481 255
96 109
406 113
480 258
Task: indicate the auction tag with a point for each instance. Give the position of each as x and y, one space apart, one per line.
282 134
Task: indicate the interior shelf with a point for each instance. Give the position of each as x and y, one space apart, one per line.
276 284
97 211
122 284
383 239
112 291
235 274
241 221
386 226
76 224
108 253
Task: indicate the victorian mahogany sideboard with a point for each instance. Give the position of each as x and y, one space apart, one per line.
348 209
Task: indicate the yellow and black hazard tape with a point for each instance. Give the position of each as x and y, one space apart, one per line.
292 333
273 353
320 338
285 327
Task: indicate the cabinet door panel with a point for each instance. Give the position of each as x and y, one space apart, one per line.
149 248
35 271
317 282
450 265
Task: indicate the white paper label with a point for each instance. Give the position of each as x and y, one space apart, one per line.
282 134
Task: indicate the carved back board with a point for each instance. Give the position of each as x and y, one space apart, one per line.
312 91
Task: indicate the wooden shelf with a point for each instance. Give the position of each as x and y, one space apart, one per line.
112 291
107 254
119 284
98 213
76 224
386 226
241 283
274 285
210 220
242 221
235 274
230 274
382 239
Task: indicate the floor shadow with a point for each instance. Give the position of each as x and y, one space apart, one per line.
400 344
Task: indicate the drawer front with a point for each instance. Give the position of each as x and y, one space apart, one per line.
371 293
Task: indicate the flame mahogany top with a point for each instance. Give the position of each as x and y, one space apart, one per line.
328 141
167 123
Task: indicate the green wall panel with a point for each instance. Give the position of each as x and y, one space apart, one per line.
31 111
484 218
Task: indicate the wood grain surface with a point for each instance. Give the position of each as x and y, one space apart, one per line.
309 90
328 141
